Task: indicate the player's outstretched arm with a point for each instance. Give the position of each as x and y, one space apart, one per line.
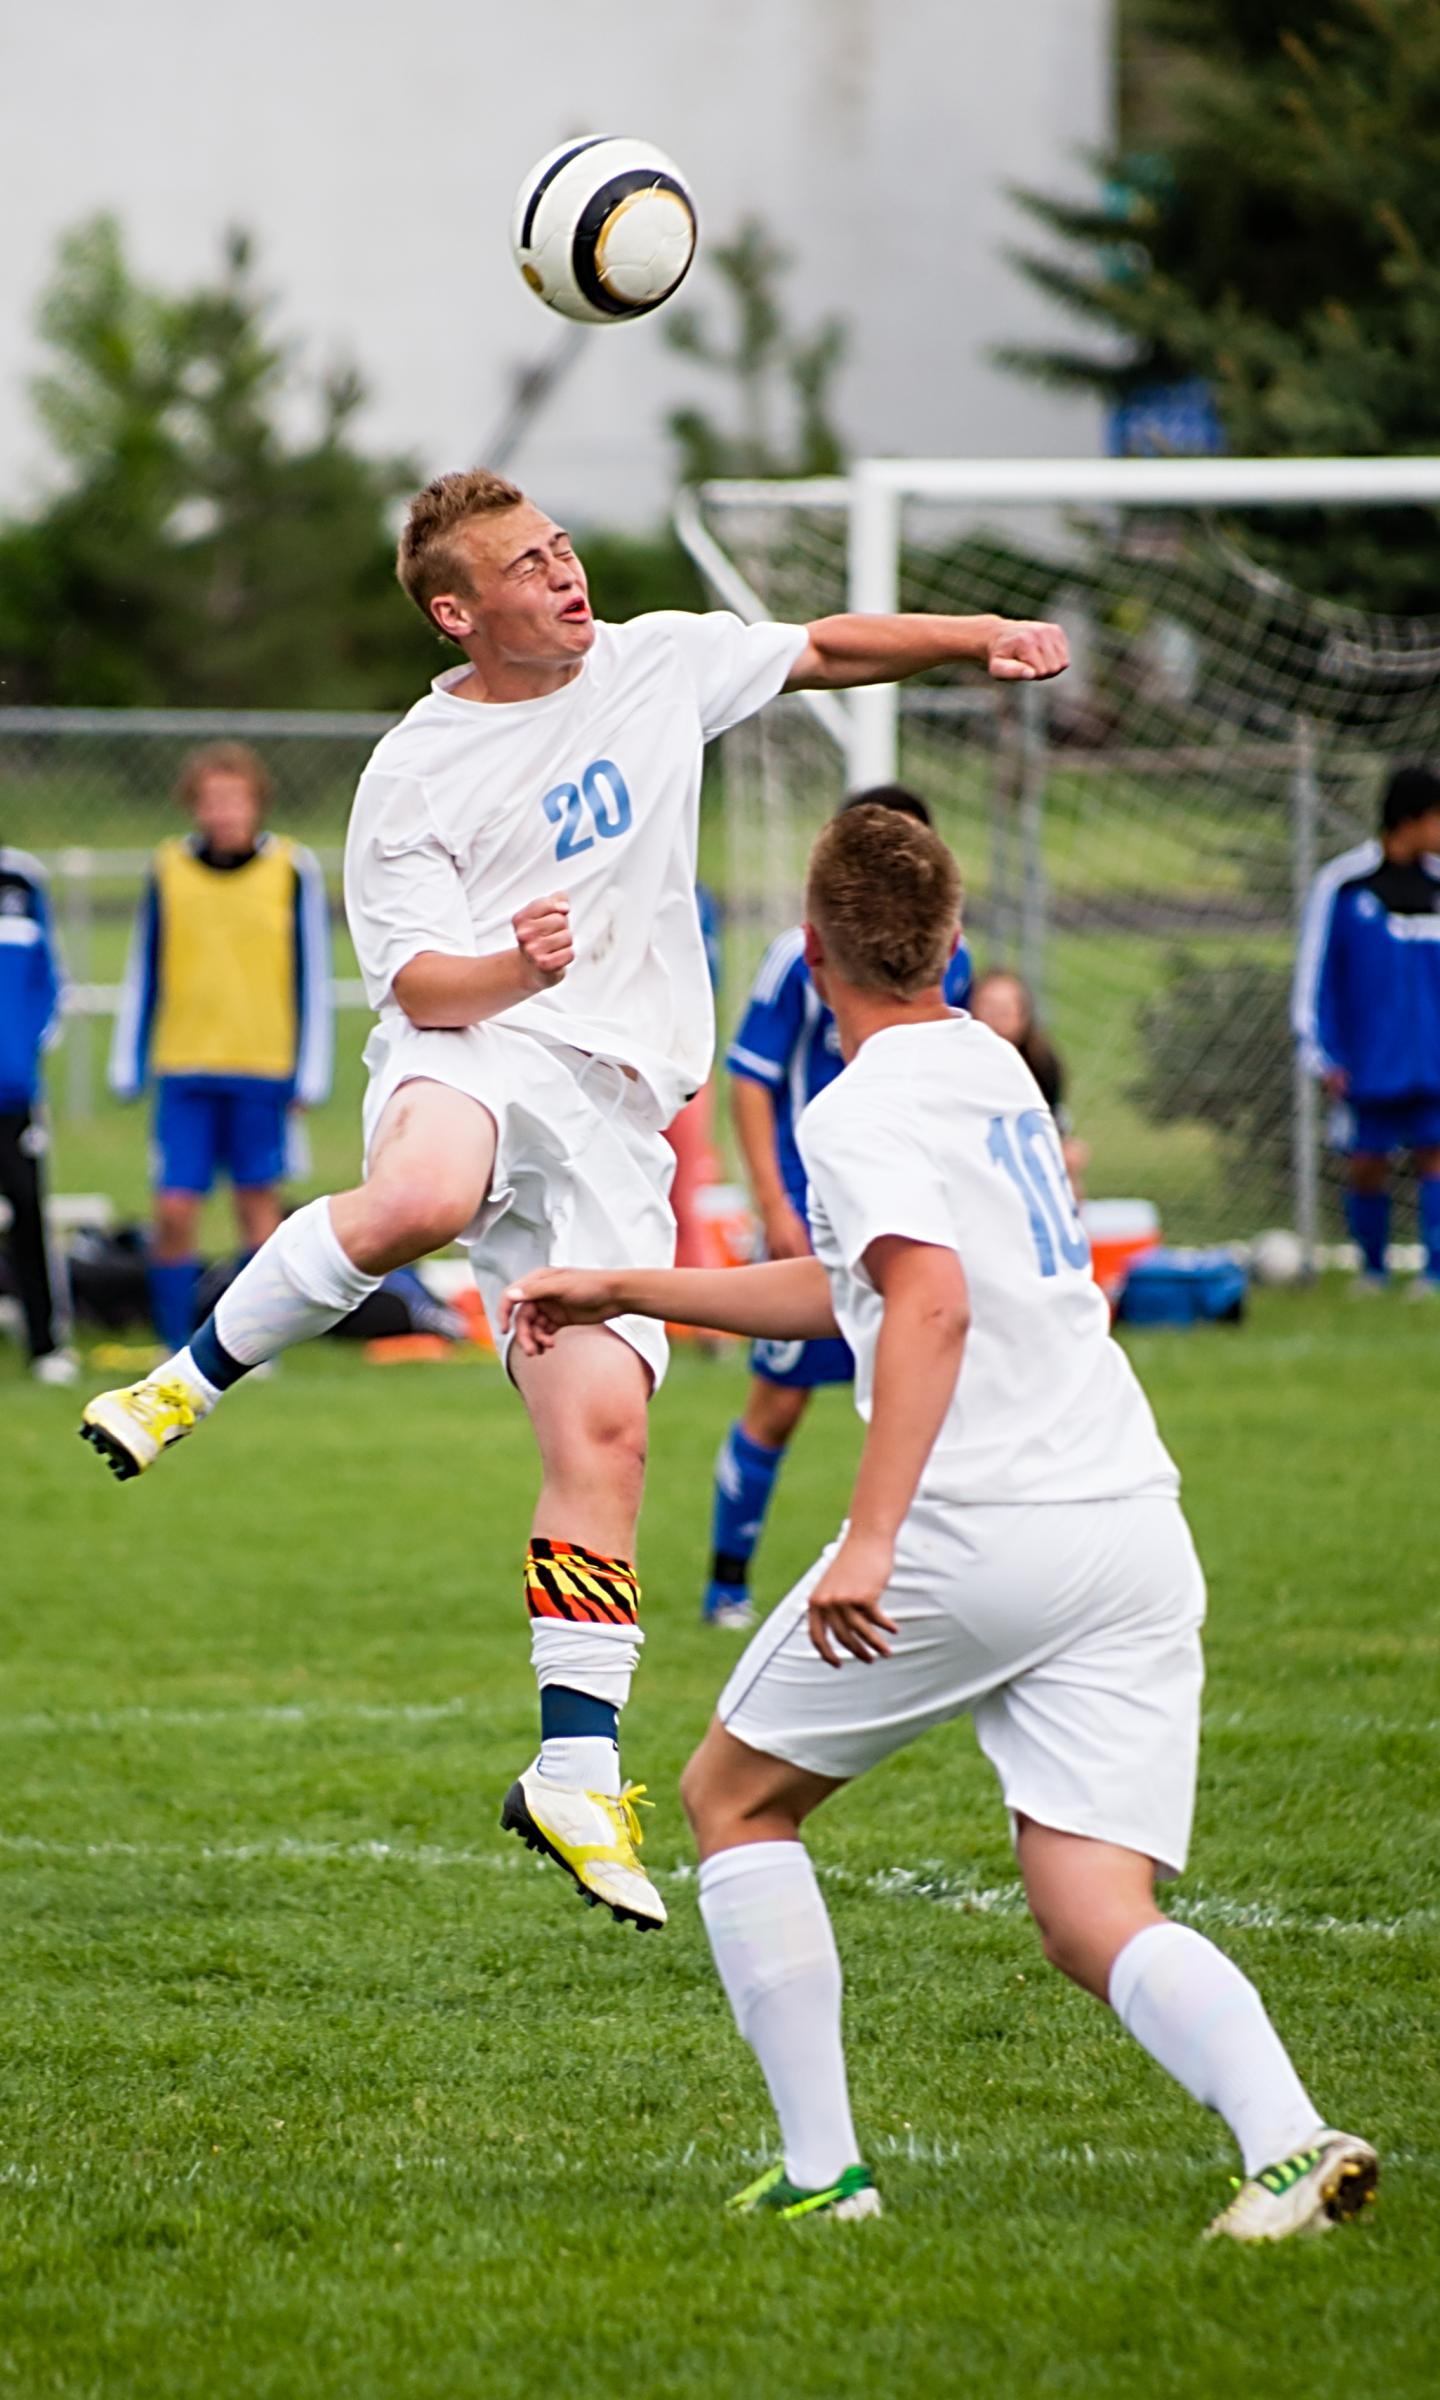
917 1358
844 651
442 993
786 1300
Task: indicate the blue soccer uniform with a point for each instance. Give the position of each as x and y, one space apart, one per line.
30 997
1366 1008
786 1041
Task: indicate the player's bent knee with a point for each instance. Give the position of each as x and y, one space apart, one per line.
420 1220
694 1788
1061 1951
1084 1950
714 1810
611 1438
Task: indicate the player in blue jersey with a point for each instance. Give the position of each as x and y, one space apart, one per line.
1366 1014
30 997
785 1051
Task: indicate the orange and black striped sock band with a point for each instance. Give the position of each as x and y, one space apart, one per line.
574 1586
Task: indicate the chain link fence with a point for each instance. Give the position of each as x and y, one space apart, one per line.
1136 841
91 791
1137 838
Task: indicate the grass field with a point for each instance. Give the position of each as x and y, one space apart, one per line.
316 2085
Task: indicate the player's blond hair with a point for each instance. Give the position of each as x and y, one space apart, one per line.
427 560
223 758
883 893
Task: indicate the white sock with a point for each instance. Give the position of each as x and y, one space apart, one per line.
600 1660
590 1760
1203 2021
299 1283
776 1956
183 1365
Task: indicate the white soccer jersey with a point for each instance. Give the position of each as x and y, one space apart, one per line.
468 810
939 1133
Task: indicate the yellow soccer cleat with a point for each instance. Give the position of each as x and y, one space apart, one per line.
1306 2193
593 1837
130 1428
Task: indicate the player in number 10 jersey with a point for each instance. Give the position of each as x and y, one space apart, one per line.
1014 1551
519 880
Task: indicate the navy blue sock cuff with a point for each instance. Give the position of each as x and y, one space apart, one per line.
213 1359
569 1716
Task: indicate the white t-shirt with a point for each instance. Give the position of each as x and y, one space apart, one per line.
939 1133
469 809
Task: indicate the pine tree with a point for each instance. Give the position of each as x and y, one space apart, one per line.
198 553
1277 237
782 381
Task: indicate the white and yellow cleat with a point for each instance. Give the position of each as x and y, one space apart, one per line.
131 1427
1308 2192
593 1837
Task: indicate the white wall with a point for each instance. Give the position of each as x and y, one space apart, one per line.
374 148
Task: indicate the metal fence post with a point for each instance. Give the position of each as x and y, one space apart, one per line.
1305 804
77 950
1032 839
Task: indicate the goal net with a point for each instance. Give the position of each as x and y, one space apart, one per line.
1137 837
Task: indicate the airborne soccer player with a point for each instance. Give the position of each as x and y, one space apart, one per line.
1014 1552
520 885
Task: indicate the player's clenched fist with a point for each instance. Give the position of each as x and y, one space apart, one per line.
542 931
1025 653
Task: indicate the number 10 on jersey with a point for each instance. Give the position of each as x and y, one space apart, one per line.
1026 1148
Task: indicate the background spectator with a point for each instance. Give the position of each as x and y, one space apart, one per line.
1004 1002
227 1006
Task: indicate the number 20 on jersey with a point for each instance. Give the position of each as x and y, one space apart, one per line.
597 806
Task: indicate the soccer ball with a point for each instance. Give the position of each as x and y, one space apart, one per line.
1277 1257
604 229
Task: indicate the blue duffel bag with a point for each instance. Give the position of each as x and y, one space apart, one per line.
1184 1287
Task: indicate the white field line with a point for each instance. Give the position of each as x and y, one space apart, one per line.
932 1883
284 1715
294 1715
937 1885
279 1850
743 2156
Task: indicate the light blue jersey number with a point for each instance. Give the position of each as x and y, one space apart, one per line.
600 798
1026 1148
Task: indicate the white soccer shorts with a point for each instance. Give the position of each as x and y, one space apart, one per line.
582 1168
1069 1632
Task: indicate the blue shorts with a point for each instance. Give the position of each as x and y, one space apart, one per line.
234 1125
803 1366
1378 1128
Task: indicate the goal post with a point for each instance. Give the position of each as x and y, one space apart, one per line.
1137 837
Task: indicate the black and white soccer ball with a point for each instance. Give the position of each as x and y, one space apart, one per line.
604 229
